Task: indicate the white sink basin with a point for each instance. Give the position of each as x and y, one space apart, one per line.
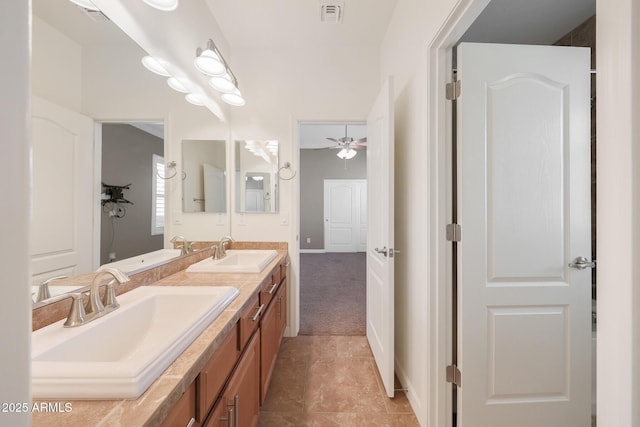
236 261
121 354
143 262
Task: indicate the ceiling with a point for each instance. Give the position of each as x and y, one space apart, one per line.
249 24
75 23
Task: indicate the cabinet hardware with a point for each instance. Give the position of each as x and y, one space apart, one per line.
229 417
192 422
255 316
273 288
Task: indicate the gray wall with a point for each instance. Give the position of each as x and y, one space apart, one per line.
127 159
315 167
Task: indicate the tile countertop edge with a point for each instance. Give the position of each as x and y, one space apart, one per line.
152 407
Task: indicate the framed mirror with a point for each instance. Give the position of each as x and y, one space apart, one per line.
256 176
204 176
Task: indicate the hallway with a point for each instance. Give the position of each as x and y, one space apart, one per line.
330 381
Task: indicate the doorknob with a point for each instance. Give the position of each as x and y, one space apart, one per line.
382 251
581 263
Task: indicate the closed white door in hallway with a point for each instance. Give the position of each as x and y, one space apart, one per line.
345 215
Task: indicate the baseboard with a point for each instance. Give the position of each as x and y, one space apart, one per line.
311 251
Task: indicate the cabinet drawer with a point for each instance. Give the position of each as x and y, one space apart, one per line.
184 412
276 274
250 320
216 371
267 290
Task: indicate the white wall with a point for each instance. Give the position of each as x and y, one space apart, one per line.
404 55
56 66
15 304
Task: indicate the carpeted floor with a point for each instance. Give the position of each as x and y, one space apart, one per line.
332 294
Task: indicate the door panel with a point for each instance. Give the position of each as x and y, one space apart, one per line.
524 207
380 237
343 214
62 202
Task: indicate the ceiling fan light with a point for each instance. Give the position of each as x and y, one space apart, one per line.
347 153
164 5
87 4
223 83
156 65
180 85
234 98
208 62
195 99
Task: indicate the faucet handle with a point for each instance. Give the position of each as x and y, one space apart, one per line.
43 290
109 298
77 314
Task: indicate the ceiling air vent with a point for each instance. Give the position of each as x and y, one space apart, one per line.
95 15
331 12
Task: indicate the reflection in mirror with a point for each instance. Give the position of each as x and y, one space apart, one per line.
65 202
256 176
204 176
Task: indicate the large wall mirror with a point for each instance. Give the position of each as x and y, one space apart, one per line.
256 176
204 176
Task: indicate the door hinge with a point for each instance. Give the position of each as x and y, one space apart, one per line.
453 90
454 232
454 375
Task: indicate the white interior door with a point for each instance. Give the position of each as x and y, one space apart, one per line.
380 236
345 215
524 324
214 189
62 240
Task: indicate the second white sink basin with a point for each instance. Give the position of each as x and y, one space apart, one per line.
236 261
122 353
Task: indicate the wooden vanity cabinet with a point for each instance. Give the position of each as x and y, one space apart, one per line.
215 373
184 412
239 405
233 384
272 328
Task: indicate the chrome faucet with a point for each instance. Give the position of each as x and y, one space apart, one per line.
186 247
77 315
96 307
219 251
43 289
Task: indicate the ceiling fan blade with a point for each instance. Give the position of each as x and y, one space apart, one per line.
359 141
333 139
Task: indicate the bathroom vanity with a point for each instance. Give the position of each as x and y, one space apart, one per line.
222 377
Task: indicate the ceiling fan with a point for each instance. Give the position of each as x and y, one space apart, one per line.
347 145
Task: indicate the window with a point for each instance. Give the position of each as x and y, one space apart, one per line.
157 205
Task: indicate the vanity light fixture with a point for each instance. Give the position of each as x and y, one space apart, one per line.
347 153
223 83
177 84
164 5
87 4
195 99
209 61
234 98
156 65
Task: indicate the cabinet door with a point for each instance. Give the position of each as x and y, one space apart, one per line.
243 392
269 347
184 412
280 301
215 373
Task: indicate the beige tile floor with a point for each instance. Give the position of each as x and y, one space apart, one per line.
330 381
